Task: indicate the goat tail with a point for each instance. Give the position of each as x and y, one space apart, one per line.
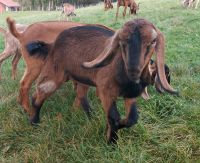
12 27
38 49
2 30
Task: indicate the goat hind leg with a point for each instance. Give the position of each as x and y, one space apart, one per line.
3 56
15 61
81 98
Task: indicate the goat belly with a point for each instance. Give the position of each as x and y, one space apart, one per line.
83 80
131 90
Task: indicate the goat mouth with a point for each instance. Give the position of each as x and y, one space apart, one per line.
134 78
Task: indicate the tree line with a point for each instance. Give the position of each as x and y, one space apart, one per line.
52 4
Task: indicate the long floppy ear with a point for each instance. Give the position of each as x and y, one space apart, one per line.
146 77
160 51
158 85
106 55
157 81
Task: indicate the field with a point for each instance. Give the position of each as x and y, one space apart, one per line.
168 129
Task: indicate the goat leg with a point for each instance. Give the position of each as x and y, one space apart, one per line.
15 61
131 114
4 55
117 13
81 98
113 119
45 88
35 118
25 84
105 5
124 13
112 115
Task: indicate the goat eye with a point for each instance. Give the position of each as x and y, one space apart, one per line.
153 42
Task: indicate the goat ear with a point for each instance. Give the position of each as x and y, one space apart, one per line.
157 81
107 54
160 51
158 85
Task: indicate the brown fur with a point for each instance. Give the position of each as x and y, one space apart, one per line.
41 31
154 79
108 5
12 48
117 76
127 3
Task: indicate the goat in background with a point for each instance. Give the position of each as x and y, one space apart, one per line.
40 31
108 5
190 3
116 63
127 3
68 10
12 48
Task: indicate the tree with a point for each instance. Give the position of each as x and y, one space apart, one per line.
50 4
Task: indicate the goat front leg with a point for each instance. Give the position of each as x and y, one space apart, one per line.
131 113
81 98
15 61
112 116
105 5
117 13
124 13
25 84
43 91
190 3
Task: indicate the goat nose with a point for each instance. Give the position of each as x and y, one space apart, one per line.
134 75
134 71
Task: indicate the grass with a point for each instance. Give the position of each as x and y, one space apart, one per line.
168 129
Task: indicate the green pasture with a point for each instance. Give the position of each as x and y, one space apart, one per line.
168 129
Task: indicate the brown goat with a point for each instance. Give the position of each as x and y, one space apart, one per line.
41 31
68 10
12 48
120 67
127 3
45 32
108 5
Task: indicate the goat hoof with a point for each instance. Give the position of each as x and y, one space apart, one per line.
113 138
34 120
